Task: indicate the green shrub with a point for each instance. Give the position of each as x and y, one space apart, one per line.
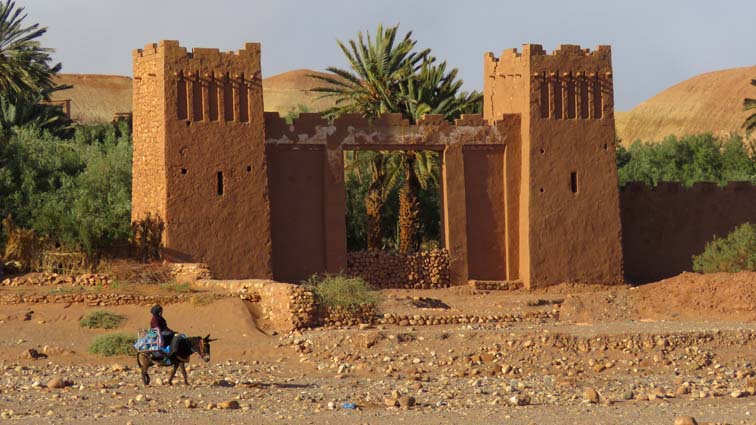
733 253
76 192
343 291
688 159
113 344
176 287
101 319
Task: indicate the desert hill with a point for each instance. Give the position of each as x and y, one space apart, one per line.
290 91
710 102
95 98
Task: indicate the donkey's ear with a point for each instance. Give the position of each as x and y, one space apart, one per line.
212 339
207 336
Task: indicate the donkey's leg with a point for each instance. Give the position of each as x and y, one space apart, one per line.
144 364
183 372
173 373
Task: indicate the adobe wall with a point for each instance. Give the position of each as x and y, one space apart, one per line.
148 184
663 227
351 132
215 199
485 187
569 205
297 212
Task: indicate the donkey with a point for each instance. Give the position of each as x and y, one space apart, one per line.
185 349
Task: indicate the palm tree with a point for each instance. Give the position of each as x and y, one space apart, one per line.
750 104
389 77
371 88
24 63
30 109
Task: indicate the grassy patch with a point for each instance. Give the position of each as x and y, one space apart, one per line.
63 290
201 299
176 287
342 291
101 319
113 344
734 253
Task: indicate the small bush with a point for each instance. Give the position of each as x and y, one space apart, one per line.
113 344
101 319
343 291
146 239
176 287
733 253
201 300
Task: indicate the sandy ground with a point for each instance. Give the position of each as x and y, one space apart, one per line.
650 357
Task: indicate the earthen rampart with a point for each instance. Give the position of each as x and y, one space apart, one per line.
528 189
308 195
664 226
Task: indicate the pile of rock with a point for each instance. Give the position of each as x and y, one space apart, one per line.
429 320
496 285
337 316
93 300
342 317
421 270
302 307
190 272
48 279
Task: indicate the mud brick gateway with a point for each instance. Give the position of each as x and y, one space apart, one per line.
529 189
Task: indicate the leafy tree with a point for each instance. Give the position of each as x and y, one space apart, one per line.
24 64
29 109
390 77
75 192
378 67
734 253
688 160
750 105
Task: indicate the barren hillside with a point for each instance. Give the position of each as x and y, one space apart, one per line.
710 102
95 98
290 91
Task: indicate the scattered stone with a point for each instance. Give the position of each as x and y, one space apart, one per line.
591 395
190 404
390 402
58 382
628 395
520 400
685 420
229 405
406 401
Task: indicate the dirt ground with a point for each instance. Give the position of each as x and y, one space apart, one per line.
683 346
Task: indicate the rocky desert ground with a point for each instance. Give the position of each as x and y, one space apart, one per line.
571 354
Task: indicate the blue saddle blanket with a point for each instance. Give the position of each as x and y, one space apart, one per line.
152 340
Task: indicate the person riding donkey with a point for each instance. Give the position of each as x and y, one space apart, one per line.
167 335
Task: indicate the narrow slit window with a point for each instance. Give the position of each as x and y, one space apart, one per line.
220 183
574 181
544 98
181 97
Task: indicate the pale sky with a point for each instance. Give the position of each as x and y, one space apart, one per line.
655 44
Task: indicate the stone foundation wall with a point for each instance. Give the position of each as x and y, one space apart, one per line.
422 270
190 272
98 300
496 285
288 307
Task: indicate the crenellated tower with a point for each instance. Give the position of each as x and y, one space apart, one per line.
570 226
199 155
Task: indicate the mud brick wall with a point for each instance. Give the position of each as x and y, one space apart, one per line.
663 227
288 307
382 269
